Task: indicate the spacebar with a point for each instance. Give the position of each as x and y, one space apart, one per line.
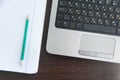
100 28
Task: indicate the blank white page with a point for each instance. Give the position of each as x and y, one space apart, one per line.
12 24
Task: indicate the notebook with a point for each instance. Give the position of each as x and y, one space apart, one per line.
13 15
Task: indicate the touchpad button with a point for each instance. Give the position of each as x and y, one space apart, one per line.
97 46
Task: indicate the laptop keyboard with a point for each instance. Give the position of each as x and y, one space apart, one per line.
100 16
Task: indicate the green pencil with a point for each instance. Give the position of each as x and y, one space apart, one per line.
24 40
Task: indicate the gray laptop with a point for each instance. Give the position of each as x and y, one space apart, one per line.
88 29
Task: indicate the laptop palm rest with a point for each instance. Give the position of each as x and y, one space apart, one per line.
96 46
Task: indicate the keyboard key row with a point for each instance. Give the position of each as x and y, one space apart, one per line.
97 8
88 27
83 19
85 13
95 21
76 3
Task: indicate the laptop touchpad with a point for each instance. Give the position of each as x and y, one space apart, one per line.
96 46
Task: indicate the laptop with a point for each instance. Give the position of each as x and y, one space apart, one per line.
88 29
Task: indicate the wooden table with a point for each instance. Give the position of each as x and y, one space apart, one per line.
64 68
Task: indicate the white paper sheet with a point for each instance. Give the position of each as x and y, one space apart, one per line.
12 24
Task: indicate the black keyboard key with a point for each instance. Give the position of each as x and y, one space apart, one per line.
77 4
105 15
63 3
84 12
71 11
91 13
62 9
79 26
80 19
104 8
98 7
117 10
101 29
101 2
98 14
88 1
73 18
111 16
66 17
87 20
93 21
111 9
66 24
118 17
81 0
114 23
100 21
108 2
83 5
107 22
77 11
91 6
118 31
119 24
115 2
60 16
95 1
72 25
59 23
71 4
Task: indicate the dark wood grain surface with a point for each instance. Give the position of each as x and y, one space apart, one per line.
65 68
